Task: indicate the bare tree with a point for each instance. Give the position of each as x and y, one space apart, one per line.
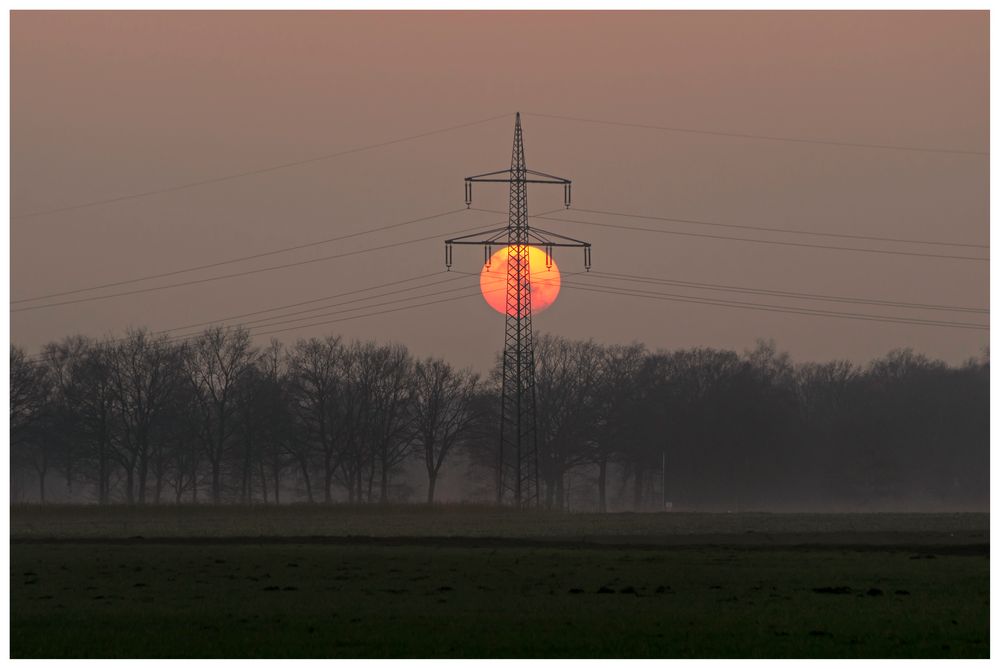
316 391
443 412
616 396
215 364
275 419
183 451
30 387
145 372
384 381
566 382
82 408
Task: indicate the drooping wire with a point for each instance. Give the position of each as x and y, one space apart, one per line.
771 138
632 278
790 231
231 261
772 242
478 292
265 320
247 173
180 337
304 302
243 273
756 306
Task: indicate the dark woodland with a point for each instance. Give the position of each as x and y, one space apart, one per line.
215 419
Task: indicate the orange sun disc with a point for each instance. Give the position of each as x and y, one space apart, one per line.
545 281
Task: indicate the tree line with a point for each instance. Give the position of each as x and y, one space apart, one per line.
214 419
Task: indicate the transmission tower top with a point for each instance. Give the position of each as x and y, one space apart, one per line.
518 165
517 229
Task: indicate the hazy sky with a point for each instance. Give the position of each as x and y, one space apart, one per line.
106 104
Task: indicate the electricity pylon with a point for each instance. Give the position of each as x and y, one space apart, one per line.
517 457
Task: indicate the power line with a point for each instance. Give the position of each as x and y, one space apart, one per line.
755 306
262 170
461 275
610 290
790 294
386 311
189 336
358 308
773 138
183 337
263 254
414 297
323 299
239 274
377 313
298 304
448 213
362 299
247 272
782 230
766 241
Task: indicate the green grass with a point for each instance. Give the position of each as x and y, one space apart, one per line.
250 599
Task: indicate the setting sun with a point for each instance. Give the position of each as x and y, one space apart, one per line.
545 281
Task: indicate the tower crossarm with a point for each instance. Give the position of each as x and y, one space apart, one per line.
521 175
485 237
498 237
506 176
545 238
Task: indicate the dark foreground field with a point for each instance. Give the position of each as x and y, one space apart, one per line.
341 582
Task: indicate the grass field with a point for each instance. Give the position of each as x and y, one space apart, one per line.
467 582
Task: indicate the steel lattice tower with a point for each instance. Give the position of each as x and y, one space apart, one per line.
517 457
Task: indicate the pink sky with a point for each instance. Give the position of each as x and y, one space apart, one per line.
110 103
